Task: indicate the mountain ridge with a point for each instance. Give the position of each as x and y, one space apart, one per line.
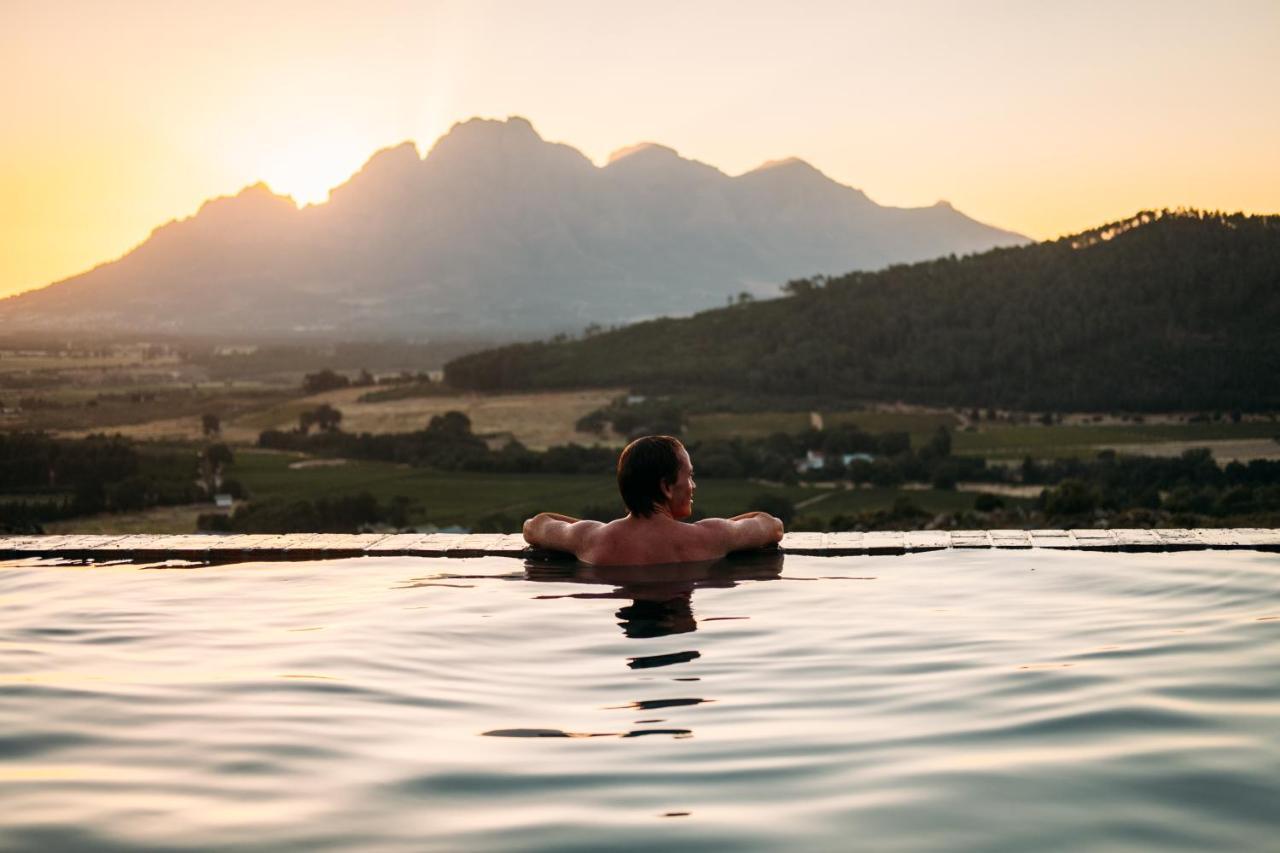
495 230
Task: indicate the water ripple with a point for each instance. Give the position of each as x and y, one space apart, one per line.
977 701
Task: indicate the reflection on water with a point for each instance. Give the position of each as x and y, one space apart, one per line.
661 596
974 701
558 733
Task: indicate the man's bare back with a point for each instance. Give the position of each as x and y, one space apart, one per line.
656 535
636 541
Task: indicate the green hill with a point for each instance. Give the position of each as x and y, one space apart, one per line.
1167 310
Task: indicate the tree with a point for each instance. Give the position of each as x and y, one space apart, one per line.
324 380
798 287
451 423
938 446
210 424
1071 497
324 416
214 459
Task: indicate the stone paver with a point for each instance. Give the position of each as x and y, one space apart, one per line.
846 544
395 544
507 545
1179 540
1010 538
471 545
1137 539
1258 537
220 548
1094 540
970 539
885 541
927 540
803 543
1052 539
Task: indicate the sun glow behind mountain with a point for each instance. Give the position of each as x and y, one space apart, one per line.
310 166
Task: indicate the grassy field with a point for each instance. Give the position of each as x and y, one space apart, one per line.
853 501
446 498
461 498
175 415
1247 439
1015 442
19 362
723 425
161 520
449 498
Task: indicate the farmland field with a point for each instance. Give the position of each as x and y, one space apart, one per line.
445 498
1015 442
1245 440
748 425
537 420
449 497
160 520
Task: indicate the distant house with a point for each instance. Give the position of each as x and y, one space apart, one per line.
812 461
223 501
816 460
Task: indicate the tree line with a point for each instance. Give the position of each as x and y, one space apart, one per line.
1164 311
44 479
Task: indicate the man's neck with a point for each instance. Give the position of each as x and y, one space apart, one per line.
659 513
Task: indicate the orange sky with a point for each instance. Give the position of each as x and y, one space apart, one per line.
1042 118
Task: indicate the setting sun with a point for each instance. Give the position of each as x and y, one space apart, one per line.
308 167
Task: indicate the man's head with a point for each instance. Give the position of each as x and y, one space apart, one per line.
655 471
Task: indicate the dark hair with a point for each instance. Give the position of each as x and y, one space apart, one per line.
643 467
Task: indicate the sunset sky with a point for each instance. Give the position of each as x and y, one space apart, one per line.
116 117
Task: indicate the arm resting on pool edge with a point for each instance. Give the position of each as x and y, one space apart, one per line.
742 532
557 532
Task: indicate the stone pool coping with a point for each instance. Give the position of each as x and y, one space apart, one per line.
311 546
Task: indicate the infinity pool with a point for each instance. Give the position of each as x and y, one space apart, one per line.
947 700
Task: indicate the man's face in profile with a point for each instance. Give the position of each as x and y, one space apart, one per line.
680 494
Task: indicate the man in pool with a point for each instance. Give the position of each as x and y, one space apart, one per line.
655 477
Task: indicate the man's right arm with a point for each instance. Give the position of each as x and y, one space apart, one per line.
749 530
558 532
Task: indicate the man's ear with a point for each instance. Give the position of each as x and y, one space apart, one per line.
667 487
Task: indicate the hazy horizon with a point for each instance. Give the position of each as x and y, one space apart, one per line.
1043 121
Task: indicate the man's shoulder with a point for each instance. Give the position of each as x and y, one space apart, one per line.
711 528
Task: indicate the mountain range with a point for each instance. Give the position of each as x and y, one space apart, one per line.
495 232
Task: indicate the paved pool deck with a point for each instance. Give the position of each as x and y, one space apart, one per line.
216 548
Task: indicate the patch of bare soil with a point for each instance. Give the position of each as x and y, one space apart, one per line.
317 463
1223 450
538 420
165 519
1006 490
171 429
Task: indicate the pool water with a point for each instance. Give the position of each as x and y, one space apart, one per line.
979 700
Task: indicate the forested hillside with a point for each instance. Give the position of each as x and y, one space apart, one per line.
1167 310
